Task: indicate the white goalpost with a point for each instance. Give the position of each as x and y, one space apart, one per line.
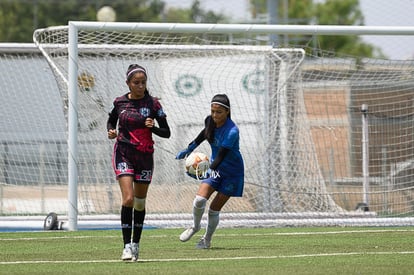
302 137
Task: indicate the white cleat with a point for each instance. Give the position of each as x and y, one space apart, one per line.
127 253
188 233
135 251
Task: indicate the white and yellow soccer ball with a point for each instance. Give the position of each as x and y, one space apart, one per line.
197 164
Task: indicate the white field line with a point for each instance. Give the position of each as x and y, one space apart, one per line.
225 258
219 235
222 259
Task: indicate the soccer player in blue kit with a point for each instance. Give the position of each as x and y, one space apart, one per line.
133 157
226 175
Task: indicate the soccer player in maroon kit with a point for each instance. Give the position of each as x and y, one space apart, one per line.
133 157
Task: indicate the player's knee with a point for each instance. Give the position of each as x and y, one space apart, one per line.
139 204
199 202
129 201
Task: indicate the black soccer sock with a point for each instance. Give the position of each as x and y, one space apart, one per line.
126 223
139 217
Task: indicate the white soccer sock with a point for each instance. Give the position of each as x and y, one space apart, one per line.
199 205
212 222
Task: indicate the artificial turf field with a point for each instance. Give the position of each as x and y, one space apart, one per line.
314 250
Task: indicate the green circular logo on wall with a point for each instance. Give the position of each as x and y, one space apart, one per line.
188 85
254 82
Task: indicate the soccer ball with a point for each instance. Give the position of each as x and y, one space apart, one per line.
197 164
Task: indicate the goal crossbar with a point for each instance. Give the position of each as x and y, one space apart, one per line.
243 28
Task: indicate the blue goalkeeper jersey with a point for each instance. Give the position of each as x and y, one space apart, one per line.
227 136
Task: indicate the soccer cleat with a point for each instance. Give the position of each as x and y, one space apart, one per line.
127 253
203 243
135 251
188 233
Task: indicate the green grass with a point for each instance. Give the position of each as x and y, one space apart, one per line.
234 251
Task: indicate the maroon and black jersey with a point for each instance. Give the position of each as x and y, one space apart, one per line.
131 115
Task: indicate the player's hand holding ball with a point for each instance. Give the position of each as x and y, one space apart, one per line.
197 165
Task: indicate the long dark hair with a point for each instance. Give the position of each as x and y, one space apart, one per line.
224 101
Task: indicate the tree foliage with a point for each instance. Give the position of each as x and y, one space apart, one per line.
16 22
19 18
328 12
334 12
193 15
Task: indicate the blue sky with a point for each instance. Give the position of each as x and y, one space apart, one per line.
390 13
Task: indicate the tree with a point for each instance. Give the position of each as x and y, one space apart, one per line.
193 15
335 12
328 12
200 16
16 22
19 18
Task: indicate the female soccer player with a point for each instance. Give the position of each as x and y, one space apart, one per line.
226 168
132 160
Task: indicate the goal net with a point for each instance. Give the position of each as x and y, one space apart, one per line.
185 71
299 115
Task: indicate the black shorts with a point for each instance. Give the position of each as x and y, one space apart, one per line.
127 160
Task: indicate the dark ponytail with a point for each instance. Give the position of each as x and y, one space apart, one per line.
209 129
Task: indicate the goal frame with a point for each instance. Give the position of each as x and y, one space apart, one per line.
76 26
